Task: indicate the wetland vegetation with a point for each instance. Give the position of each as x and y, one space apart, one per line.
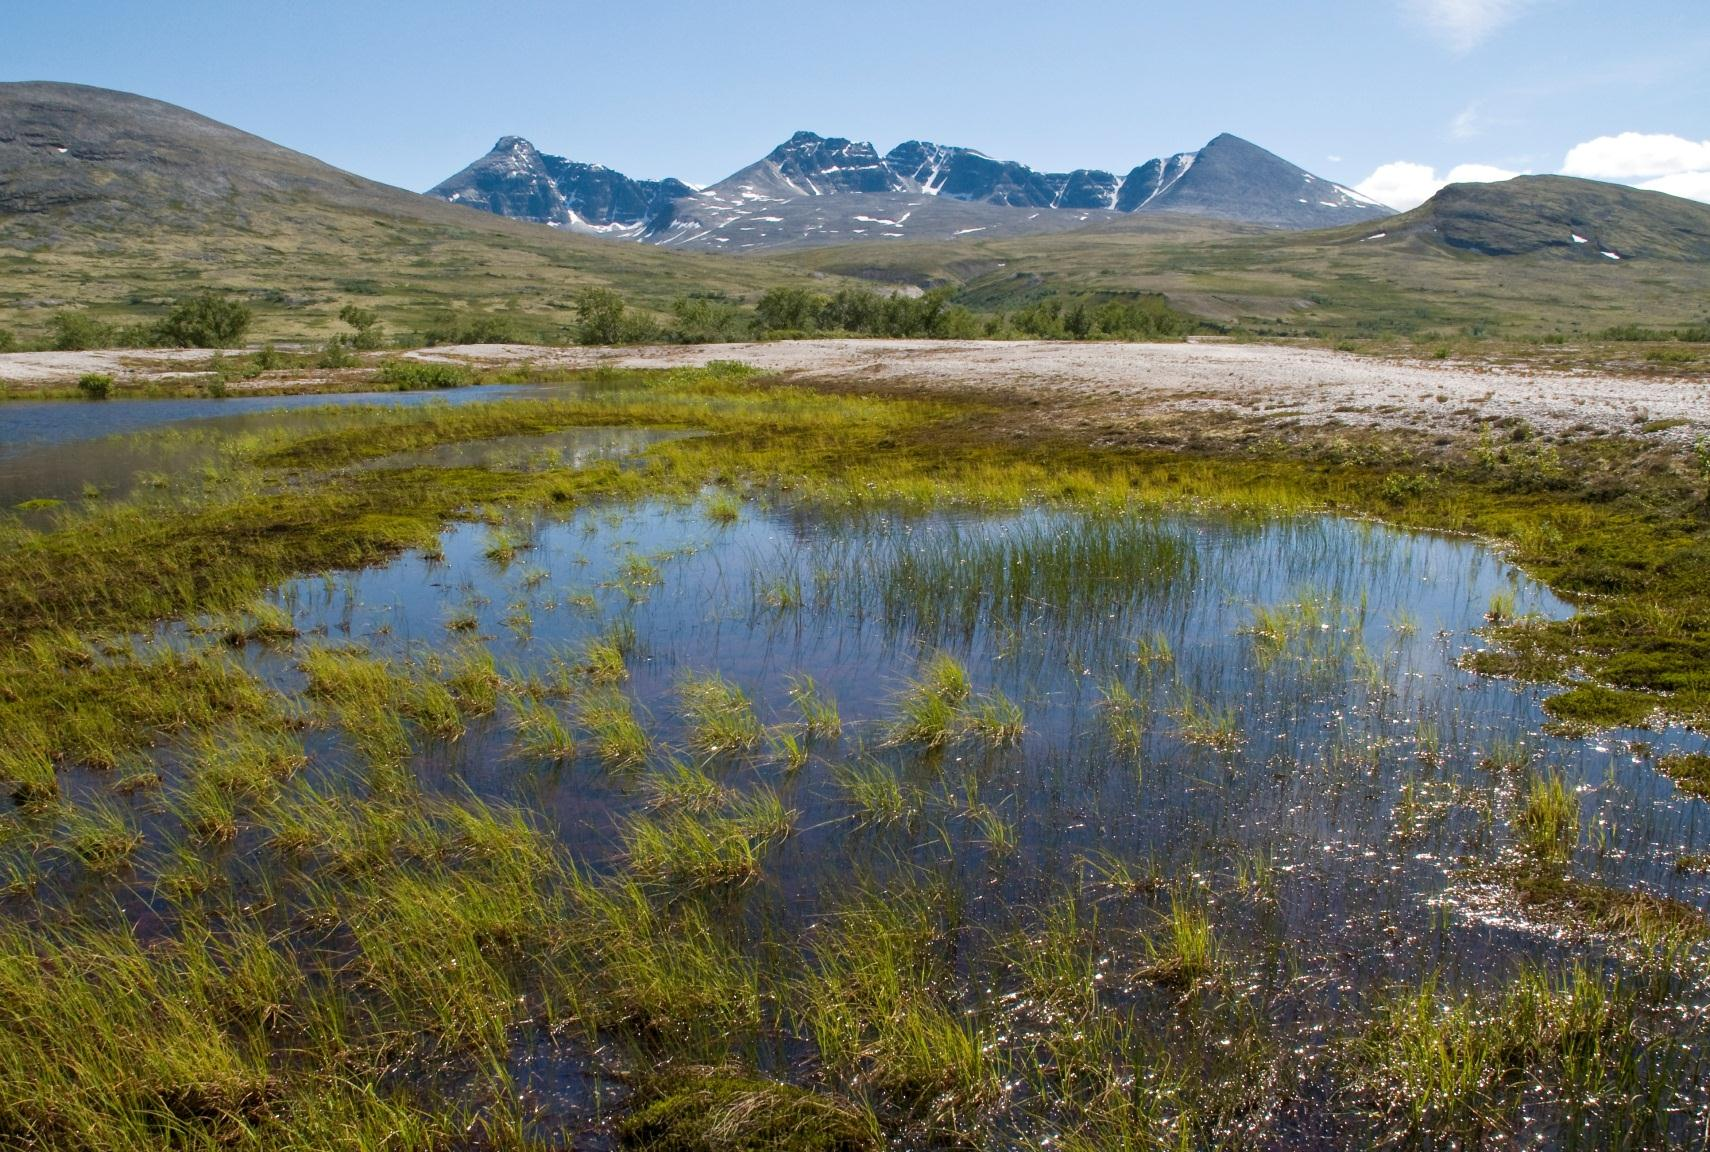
850 774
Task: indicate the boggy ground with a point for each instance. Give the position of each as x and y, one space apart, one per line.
250 904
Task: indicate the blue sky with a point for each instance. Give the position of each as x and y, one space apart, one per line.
1392 94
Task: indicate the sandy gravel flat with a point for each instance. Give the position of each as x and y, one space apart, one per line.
1112 382
1310 385
62 367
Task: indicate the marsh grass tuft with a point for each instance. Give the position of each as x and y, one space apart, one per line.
1198 721
722 507
1548 822
787 746
819 715
996 720
101 836
1124 715
1458 1063
1690 772
603 661
618 737
540 733
679 785
929 708
1059 960
1509 755
472 677
1184 952
1154 652
874 791
720 715
681 847
1074 569
878 1006
263 622
724 1108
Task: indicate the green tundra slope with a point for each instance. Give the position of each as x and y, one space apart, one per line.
1490 258
121 203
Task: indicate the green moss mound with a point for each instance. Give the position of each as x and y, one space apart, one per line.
1690 772
1594 706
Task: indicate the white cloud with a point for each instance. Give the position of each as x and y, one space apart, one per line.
1636 155
1465 24
1404 185
1655 160
1692 185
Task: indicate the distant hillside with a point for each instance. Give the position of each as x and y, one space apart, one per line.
1561 216
1478 259
814 190
123 203
81 156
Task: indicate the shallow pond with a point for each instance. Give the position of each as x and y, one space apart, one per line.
1263 718
1271 712
59 449
1325 723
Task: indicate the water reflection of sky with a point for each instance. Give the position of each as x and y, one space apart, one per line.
1334 723
1330 725
52 449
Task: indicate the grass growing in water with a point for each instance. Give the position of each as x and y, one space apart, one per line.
1690 772
540 733
1458 1064
1124 715
1073 570
875 792
720 715
451 920
1199 721
819 715
617 736
929 709
877 1006
1549 819
1184 951
724 1108
690 849
603 660
996 720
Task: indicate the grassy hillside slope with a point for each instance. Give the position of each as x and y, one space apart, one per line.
121 204
1496 259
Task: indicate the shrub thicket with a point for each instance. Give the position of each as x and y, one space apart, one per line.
487 328
95 385
205 320
414 375
368 334
79 332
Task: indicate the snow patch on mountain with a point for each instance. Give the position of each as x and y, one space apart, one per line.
798 183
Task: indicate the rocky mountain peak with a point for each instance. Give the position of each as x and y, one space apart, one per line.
1230 178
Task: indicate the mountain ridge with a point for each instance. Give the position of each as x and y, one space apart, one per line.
123 202
149 202
1228 179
